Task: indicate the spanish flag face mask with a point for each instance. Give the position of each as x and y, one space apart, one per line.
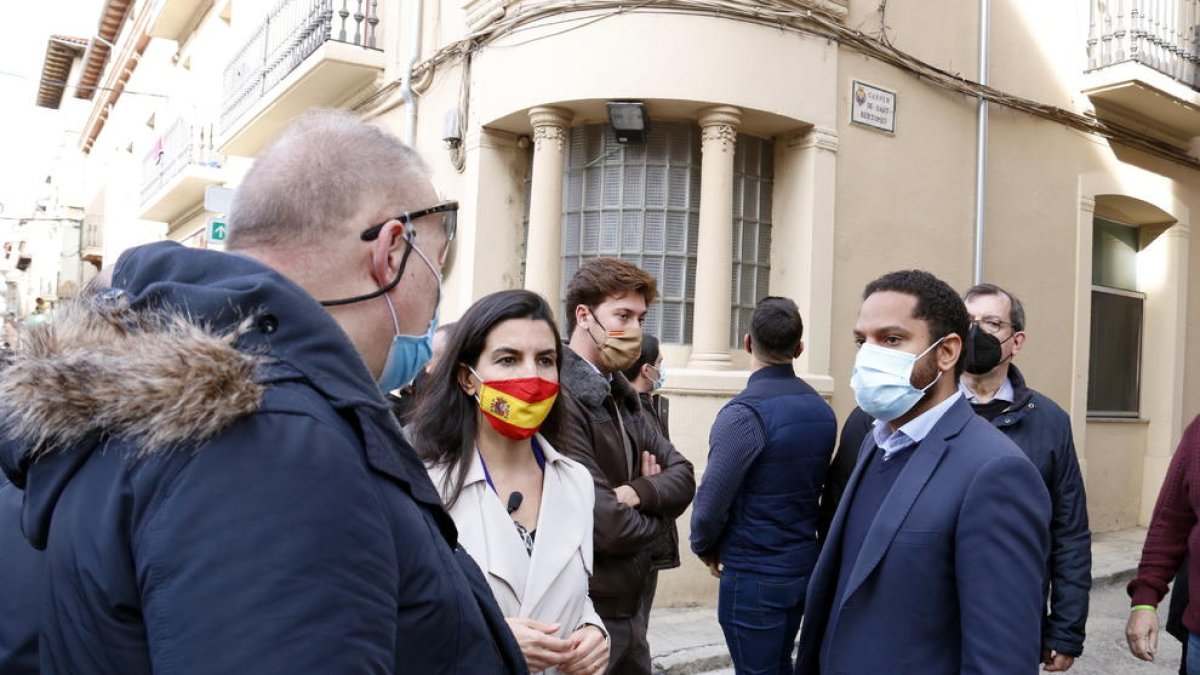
516 408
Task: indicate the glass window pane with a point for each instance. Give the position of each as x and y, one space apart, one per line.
1115 360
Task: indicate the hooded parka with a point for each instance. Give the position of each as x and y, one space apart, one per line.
219 487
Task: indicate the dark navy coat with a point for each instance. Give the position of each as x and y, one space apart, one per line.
20 581
1043 430
949 576
197 522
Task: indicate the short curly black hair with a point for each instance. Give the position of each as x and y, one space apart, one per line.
937 304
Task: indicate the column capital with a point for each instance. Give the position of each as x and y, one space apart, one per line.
1087 204
720 124
549 124
816 137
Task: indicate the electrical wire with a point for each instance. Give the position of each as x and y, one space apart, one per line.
67 85
785 15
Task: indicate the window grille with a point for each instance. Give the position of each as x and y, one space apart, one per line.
640 203
753 181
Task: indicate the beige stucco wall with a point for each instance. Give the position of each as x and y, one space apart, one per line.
1114 473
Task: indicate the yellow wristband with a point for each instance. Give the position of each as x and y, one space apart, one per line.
1135 608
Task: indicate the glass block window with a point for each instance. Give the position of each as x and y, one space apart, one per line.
753 181
640 203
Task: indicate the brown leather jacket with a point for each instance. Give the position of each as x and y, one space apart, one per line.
590 432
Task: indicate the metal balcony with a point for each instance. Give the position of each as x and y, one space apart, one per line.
176 170
1144 64
306 53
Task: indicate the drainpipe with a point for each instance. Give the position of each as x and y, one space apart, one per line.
981 139
406 88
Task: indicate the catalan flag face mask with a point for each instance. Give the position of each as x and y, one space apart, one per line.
516 408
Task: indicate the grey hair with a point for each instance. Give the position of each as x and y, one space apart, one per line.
1016 314
315 177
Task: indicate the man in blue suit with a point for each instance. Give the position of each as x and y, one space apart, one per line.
935 560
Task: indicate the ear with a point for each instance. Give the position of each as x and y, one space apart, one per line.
465 379
386 252
644 371
799 350
748 344
949 351
1018 342
581 315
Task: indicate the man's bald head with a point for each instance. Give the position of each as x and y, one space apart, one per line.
317 177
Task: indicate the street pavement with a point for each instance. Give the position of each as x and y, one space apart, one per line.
688 640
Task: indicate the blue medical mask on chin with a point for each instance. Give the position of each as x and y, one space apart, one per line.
409 353
882 381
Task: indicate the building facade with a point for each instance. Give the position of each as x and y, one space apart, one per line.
790 147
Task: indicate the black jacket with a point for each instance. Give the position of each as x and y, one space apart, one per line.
1043 431
590 432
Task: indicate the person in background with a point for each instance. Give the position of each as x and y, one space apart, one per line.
1169 542
209 464
996 390
523 510
754 521
647 376
404 399
855 431
641 482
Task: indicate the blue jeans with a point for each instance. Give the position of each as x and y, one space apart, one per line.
1193 654
760 615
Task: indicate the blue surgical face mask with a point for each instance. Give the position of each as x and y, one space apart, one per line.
409 353
882 381
658 382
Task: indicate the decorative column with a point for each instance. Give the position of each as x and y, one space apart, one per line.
543 254
714 253
1082 325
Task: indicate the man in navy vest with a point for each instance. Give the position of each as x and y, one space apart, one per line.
754 521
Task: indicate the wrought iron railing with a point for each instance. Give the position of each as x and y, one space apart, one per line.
181 146
292 31
1161 34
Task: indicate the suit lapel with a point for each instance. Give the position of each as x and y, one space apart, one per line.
558 531
909 484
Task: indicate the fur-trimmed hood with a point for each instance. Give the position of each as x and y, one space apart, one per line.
183 344
153 378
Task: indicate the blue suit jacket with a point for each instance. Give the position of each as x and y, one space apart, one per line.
951 575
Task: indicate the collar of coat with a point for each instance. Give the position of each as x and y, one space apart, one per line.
585 383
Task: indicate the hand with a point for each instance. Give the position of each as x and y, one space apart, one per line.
589 656
538 644
1141 631
650 465
1054 662
627 496
714 564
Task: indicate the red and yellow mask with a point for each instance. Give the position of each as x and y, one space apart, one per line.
516 408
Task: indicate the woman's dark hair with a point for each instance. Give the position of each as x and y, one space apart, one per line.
649 355
446 419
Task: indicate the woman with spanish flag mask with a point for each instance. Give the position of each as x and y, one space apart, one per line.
523 510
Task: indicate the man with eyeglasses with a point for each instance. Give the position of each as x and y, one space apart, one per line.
206 454
997 391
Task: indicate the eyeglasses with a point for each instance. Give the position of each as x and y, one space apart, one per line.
992 324
448 209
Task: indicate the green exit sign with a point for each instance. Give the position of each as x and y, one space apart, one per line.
217 230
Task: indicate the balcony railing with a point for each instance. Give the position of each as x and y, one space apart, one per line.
291 33
182 146
1161 34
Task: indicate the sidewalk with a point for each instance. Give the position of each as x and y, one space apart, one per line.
688 640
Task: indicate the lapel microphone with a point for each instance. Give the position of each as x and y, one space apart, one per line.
514 501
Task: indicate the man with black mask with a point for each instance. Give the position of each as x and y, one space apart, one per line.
997 391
